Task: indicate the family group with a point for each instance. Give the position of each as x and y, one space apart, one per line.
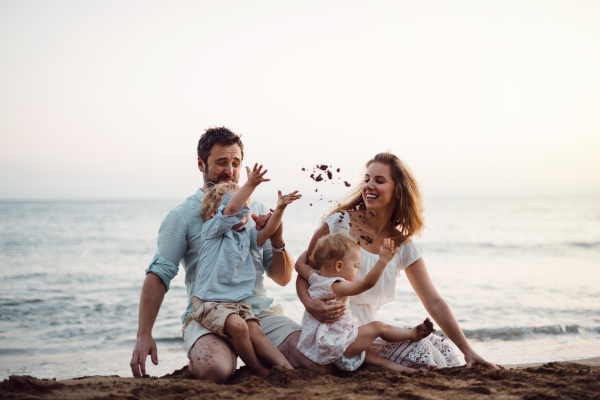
228 243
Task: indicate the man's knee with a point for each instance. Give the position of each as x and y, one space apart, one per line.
217 373
211 358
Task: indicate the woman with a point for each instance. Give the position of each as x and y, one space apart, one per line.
389 205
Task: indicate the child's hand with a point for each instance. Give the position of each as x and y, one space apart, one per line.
283 201
255 177
387 252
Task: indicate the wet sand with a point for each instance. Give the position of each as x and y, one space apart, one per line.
556 380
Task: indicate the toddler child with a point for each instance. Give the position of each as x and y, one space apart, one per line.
336 258
225 274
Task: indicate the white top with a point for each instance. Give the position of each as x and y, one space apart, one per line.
365 305
321 342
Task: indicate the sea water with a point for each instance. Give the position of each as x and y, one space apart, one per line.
522 276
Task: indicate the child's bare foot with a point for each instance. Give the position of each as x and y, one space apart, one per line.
423 330
262 372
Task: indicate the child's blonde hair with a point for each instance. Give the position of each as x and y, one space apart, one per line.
330 249
211 200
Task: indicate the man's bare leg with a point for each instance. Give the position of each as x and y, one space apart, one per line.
264 348
289 349
212 358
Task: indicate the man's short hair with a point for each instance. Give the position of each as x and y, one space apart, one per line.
220 135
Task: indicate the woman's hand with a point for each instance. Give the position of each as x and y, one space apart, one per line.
474 358
323 312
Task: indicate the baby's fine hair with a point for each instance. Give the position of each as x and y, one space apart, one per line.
331 248
211 200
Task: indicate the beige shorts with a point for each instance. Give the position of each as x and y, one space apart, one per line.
214 314
276 327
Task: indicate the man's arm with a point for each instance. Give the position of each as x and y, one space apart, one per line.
153 293
172 244
282 264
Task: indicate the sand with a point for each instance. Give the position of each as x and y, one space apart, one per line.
556 380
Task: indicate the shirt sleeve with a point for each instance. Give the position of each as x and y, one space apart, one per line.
172 244
338 223
220 223
408 254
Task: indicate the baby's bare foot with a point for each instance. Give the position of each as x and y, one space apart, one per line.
423 330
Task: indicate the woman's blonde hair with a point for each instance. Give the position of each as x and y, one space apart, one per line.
331 248
211 200
408 216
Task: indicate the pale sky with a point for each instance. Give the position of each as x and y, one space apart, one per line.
107 99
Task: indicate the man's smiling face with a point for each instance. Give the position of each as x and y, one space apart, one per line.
224 164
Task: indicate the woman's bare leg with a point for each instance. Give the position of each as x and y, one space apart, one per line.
374 358
264 348
369 332
236 327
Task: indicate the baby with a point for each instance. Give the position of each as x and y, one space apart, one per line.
336 257
225 273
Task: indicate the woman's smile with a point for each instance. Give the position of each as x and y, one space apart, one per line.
378 187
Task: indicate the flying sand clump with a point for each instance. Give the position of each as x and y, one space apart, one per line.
322 173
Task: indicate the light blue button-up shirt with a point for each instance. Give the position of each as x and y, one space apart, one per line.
179 240
225 268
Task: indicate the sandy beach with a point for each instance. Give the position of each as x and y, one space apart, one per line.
556 380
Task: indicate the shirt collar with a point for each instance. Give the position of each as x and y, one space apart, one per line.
199 193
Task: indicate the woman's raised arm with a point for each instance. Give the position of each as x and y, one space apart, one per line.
440 311
318 307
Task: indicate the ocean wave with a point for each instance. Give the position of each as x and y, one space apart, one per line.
450 247
521 333
169 339
591 245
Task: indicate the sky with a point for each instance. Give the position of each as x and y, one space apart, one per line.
107 99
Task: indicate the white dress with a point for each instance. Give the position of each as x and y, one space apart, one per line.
433 350
324 343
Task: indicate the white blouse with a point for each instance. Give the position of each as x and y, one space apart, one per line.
365 305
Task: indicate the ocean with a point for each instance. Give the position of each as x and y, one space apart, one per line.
522 276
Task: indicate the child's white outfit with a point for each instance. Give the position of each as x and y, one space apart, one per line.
325 343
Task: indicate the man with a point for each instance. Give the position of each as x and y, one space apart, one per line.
220 155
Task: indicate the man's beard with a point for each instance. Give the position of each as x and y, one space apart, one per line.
220 178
